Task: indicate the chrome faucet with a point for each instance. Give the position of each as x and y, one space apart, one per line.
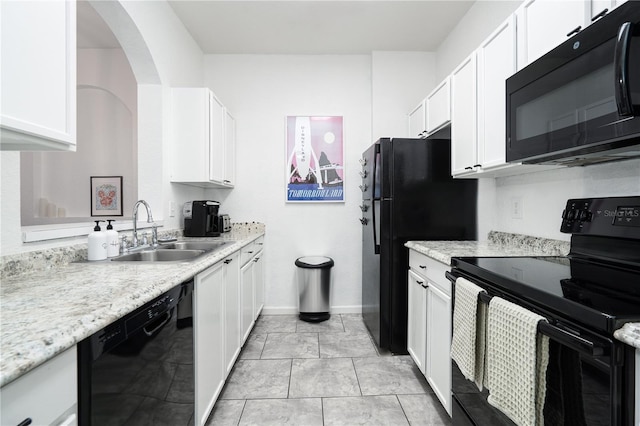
154 229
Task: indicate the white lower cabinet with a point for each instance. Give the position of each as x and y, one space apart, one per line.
417 324
232 336
429 323
258 282
251 285
208 314
246 298
438 369
47 394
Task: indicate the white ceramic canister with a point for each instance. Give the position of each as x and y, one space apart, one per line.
97 243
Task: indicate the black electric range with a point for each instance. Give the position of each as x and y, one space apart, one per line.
585 297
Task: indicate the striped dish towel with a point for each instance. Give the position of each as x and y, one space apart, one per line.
517 358
469 323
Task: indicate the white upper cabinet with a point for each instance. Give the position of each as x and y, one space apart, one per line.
38 75
217 141
463 118
496 62
199 140
544 24
438 106
229 177
417 121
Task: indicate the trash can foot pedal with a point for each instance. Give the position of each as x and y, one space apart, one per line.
314 316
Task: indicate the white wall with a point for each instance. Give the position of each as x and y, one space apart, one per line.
544 194
400 81
260 91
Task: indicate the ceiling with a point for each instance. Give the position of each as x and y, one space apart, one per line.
301 26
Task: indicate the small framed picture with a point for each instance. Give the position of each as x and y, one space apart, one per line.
106 195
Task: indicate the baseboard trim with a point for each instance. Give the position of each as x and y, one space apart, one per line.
273 310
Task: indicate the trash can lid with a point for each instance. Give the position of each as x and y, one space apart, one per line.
314 262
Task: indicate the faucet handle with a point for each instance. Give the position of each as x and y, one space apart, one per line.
145 239
124 244
154 235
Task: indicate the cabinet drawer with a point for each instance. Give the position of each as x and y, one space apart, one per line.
247 252
43 394
259 243
418 262
431 269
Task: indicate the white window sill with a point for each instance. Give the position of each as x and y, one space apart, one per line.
32 234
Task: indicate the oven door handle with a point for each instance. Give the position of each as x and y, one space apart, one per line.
570 340
450 277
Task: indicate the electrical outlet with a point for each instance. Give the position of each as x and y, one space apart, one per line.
172 209
516 208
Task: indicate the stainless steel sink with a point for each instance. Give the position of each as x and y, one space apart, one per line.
159 255
195 245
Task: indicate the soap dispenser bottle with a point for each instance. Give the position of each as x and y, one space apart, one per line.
113 248
97 243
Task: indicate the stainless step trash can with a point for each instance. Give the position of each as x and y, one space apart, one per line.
314 281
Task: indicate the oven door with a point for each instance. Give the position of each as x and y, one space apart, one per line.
580 98
586 378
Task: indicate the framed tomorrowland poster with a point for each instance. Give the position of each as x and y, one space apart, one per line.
106 195
315 159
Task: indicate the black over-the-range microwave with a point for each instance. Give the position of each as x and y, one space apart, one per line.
580 103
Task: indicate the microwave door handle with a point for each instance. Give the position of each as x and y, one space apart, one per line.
621 70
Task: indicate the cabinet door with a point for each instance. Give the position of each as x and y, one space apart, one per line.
463 117
232 339
439 344
246 289
229 149
209 340
544 24
496 62
438 106
417 319
38 75
258 283
47 394
189 135
417 124
216 139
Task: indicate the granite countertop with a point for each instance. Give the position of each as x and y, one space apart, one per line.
498 244
502 244
43 313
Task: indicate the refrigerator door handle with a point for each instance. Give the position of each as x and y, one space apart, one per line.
375 213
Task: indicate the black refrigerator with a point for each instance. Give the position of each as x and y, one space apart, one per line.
407 194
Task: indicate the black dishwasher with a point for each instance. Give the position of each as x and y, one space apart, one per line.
139 369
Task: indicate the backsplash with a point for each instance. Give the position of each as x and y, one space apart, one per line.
552 247
42 260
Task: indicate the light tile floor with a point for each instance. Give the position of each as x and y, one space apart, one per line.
291 372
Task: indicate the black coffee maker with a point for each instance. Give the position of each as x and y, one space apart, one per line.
201 218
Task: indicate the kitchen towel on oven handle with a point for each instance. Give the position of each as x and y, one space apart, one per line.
517 359
469 330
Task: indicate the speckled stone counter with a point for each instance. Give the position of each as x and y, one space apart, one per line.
629 334
498 244
43 312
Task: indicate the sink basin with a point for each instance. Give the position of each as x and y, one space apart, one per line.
159 255
194 245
